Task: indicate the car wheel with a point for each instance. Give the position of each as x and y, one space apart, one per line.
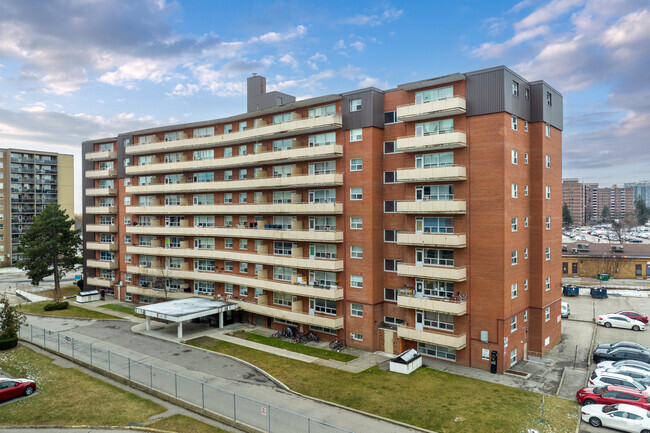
645 431
636 328
28 391
608 325
595 421
588 402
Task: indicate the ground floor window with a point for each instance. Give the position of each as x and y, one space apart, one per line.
437 351
286 322
147 299
513 357
323 330
127 297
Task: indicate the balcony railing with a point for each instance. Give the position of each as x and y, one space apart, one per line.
101 210
100 246
251 209
432 174
99 174
101 228
451 240
100 282
441 338
443 273
265 132
432 206
101 192
447 306
101 156
449 140
432 109
100 264
292 315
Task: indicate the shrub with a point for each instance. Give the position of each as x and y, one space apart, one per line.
49 307
8 343
56 306
62 305
80 284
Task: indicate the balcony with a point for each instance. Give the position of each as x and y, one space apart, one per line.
266 132
457 342
101 192
236 232
432 206
294 316
99 246
433 174
101 210
443 273
432 109
100 282
450 240
100 264
250 209
100 174
266 157
302 181
449 140
101 228
455 308
101 156
271 260
260 282
167 294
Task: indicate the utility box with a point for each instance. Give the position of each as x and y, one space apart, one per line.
406 362
89 296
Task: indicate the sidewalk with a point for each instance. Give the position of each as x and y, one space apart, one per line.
626 283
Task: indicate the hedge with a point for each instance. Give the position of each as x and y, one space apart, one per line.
56 306
8 343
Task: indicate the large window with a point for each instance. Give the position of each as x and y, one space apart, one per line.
203 177
434 289
204 243
322 196
203 199
437 351
434 225
203 287
282 170
434 94
434 127
283 248
324 306
204 265
281 118
430 160
434 257
322 139
434 192
200 155
203 132
283 274
283 299
324 110
203 221
438 321
325 223
322 278
322 251
322 167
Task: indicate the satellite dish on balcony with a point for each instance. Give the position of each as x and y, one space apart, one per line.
462 295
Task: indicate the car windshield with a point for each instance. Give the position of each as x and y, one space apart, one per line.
600 389
610 408
620 343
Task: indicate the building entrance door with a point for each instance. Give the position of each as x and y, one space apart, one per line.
419 320
388 340
574 268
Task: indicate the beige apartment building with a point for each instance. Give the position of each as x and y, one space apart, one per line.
29 180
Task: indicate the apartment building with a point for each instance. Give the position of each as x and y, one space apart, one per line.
640 189
574 196
426 216
29 180
620 202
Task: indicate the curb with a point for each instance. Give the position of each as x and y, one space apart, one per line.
559 387
91 427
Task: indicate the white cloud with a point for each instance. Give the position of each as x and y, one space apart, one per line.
340 45
274 37
288 59
358 45
372 82
315 59
183 90
387 16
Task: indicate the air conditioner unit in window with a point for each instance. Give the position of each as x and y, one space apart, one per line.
352 335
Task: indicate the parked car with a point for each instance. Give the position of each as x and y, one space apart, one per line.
624 417
10 388
620 353
612 394
637 364
620 321
631 344
606 378
641 376
566 310
634 315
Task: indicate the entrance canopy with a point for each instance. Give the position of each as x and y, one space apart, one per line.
182 310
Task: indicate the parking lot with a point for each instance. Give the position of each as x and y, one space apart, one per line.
578 331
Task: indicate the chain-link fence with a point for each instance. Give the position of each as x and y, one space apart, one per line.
233 406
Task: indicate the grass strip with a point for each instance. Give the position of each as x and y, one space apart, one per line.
68 396
443 402
69 290
298 348
182 423
121 309
71 311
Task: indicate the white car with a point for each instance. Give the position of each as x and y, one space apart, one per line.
631 362
566 310
620 321
603 378
640 375
624 417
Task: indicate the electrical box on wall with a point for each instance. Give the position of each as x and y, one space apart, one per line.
484 336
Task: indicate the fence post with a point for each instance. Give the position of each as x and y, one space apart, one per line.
269 414
58 342
44 344
234 407
129 359
202 396
109 361
175 385
308 425
31 333
72 341
91 353
151 376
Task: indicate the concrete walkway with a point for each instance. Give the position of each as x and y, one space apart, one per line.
31 297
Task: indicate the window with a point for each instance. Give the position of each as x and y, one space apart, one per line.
390 117
390 177
389 147
204 221
525 315
355 105
434 257
325 110
356 223
548 253
525 190
390 265
515 88
526 284
356 134
390 235
548 283
430 160
513 324
317 140
127 201
356 281
127 276
203 199
525 125
548 192
243 197
547 314
127 258
514 123
127 221
548 223
204 265
549 99
243 268
390 295
438 320
243 173
227 288
513 290
356 164
242 125
227 129
243 244
526 253
172 179
525 221
525 158
227 221
356 252
227 175
227 197
548 130
434 94
356 193
527 93
356 336
227 152
227 265
434 192
393 320
203 132
281 248
390 206
284 299
513 224
514 190
127 239
201 155
513 257
281 118
322 196
203 288
356 310
324 306
434 225
513 357
437 351
514 156
548 161
227 243
434 127
207 176
243 291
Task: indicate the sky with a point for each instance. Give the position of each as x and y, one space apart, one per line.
85 69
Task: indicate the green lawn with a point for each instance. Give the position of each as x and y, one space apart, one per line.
427 398
299 348
69 290
121 309
184 424
67 396
71 311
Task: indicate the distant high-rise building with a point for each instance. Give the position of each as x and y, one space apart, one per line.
29 180
573 195
618 200
640 189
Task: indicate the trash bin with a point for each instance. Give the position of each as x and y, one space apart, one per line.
599 292
570 290
603 277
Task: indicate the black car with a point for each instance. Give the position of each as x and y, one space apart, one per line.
621 353
629 344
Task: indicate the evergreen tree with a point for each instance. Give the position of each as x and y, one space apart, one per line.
567 220
641 211
605 215
49 247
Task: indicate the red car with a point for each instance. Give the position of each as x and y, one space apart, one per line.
612 394
634 315
10 388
